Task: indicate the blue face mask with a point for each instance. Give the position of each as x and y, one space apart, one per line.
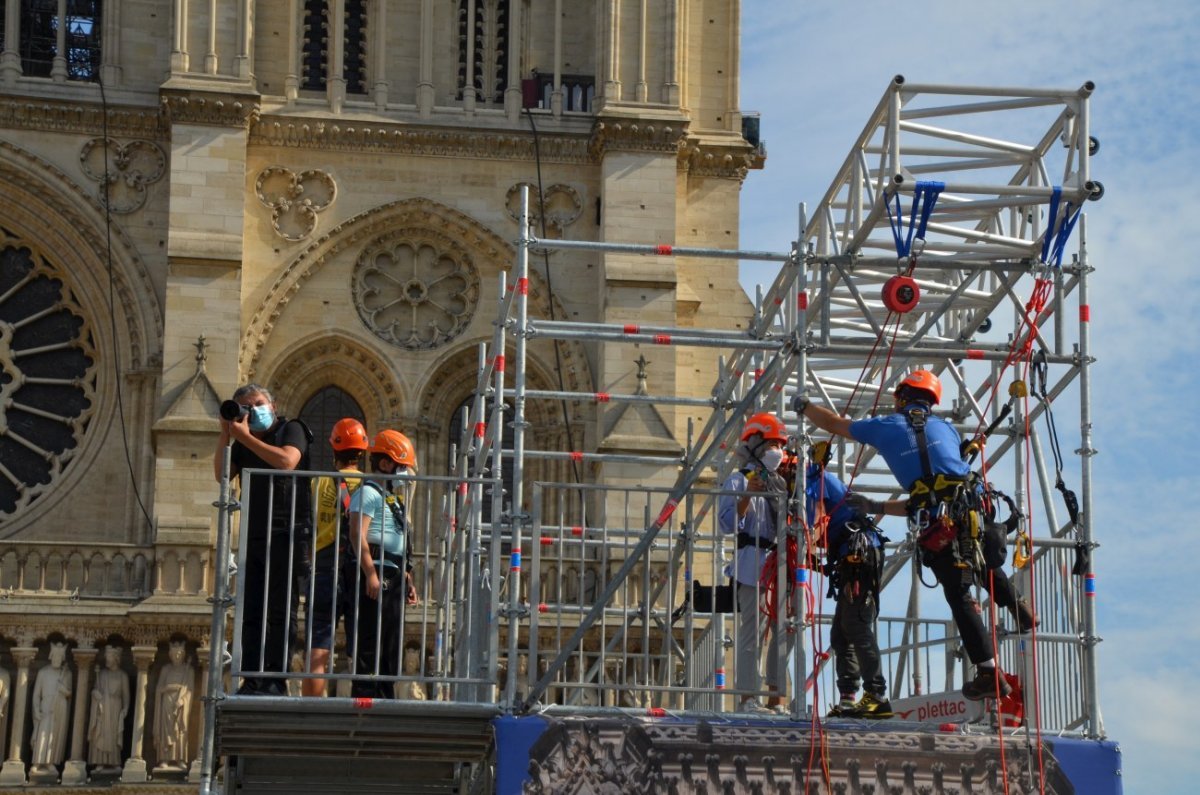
261 418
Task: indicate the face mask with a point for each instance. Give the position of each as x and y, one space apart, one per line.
772 459
261 418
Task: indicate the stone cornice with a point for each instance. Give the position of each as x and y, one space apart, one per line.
30 625
652 136
210 108
87 118
352 136
723 161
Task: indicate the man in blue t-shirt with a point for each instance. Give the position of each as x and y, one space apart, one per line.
898 438
854 564
379 536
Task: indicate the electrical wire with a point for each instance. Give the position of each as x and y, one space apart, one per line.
112 311
537 157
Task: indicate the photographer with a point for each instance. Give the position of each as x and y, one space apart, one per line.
278 522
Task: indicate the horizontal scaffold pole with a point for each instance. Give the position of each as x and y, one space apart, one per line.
929 352
559 332
612 397
601 458
538 244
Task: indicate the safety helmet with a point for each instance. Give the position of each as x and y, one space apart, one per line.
767 425
395 446
349 434
924 381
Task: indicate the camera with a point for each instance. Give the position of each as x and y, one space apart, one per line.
232 410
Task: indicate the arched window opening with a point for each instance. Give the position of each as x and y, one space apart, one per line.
320 413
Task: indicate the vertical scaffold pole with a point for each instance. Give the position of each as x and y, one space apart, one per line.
215 690
516 511
801 578
1095 722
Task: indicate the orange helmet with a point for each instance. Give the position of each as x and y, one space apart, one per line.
349 434
397 447
923 380
768 425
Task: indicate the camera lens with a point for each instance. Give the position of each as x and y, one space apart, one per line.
232 410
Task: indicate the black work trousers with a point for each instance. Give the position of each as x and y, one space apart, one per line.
855 645
963 606
373 633
270 590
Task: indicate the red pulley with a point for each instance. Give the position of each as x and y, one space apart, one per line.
900 294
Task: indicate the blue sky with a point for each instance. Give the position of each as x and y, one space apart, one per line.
816 70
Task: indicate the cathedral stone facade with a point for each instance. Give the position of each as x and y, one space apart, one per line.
319 196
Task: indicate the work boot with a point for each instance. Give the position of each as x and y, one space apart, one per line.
872 707
984 685
844 708
1024 616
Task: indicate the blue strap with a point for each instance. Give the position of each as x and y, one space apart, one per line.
1055 240
924 196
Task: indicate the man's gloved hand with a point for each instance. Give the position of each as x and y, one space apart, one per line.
799 404
863 503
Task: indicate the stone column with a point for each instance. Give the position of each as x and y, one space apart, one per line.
468 87
135 765
516 47
210 57
335 79
10 59
245 45
13 772
640 90
378 24
75 769
179 53
58 68
110 46
291 83
425 74
670 88
556 95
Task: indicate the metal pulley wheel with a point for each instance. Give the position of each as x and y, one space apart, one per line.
900 294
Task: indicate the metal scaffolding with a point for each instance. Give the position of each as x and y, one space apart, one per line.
890 272
585 593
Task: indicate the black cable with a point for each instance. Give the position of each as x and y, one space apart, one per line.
112 312
537 157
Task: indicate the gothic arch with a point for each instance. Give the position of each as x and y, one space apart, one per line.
45 211
454 379
486 245
326 359
42 203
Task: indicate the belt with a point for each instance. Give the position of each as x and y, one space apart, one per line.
747 540
389 560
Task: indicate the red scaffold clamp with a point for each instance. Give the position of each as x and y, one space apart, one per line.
901 294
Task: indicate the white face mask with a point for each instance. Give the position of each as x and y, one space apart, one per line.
772 458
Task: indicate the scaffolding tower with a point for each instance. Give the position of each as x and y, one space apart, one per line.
938 245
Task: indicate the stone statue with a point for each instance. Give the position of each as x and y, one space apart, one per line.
172 708
51 710
412 667
110 705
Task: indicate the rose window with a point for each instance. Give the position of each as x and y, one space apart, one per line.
47 375
416 291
